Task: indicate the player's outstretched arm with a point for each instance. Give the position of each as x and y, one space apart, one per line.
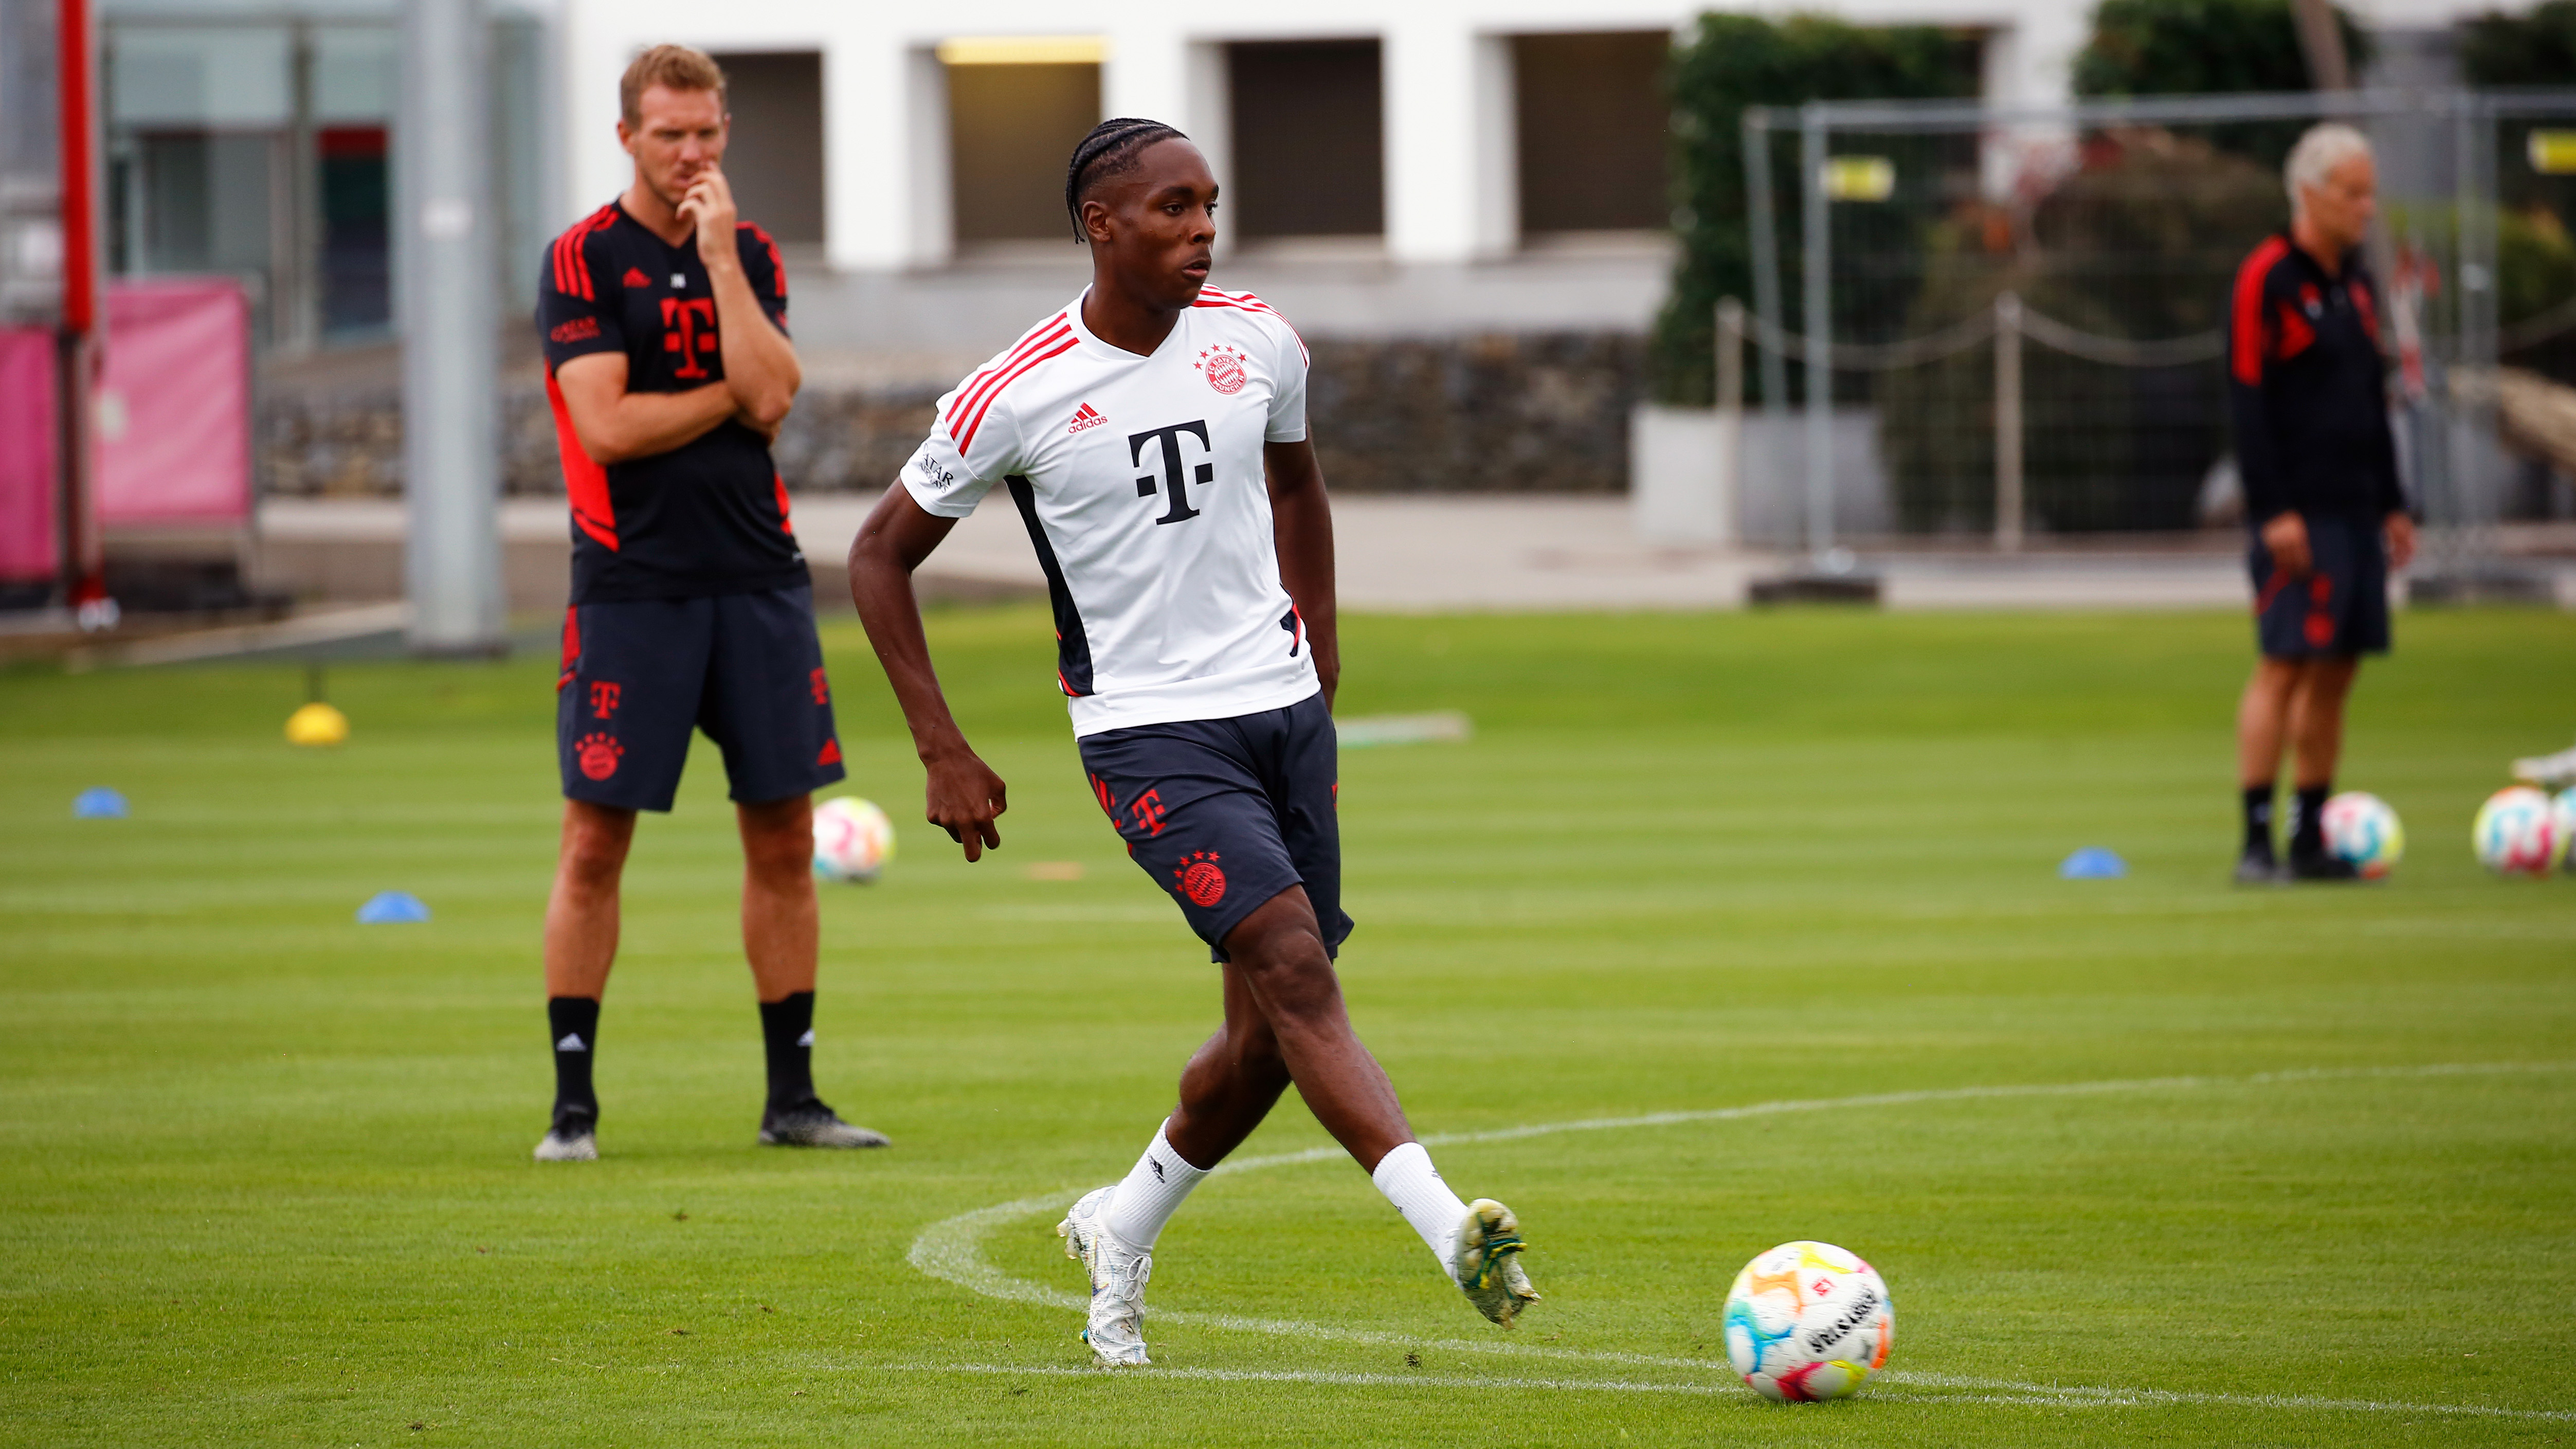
1301 520
759 362
615 425
964 796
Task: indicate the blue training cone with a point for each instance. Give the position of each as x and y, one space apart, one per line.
392 908
2092 863
98 803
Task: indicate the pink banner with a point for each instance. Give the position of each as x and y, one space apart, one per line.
27 426
174 405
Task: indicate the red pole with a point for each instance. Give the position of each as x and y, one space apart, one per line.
83 553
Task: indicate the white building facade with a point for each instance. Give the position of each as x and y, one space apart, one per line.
1445 72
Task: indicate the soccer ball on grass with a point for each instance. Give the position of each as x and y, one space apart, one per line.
1808 1321
2516 834
853 839
2361 828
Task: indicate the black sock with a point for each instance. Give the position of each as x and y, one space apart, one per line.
787 1030
2308 825
2258 818
574 1021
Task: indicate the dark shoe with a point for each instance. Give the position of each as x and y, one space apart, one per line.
2320 865
812 1124
572 1138
2257 867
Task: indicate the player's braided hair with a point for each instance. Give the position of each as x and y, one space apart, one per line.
1110 150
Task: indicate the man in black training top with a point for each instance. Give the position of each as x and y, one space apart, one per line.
669 368
2309 398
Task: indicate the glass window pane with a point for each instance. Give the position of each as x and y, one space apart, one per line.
170 76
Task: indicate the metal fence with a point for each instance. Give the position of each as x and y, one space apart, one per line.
2008 320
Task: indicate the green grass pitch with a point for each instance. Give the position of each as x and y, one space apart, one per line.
266 1180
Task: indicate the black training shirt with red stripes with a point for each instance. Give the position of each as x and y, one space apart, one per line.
710 516
2307 387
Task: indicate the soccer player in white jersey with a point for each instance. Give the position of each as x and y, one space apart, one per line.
1153 437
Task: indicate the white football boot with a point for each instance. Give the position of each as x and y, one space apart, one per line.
572 1138
1118 1273
1486 1261
2550 772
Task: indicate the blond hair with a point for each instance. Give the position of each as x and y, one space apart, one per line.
675 67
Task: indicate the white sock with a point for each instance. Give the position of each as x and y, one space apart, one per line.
1151 1193
1410 1182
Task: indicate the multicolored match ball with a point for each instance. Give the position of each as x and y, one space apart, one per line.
2361 828
2516 833
1808 1321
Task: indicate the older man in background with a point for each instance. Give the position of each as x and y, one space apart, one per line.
2308 394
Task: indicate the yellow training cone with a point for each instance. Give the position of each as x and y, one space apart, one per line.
317 724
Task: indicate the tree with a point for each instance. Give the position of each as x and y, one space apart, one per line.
1730 62
2201 47
2536 49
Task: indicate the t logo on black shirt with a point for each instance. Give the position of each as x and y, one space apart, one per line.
693 324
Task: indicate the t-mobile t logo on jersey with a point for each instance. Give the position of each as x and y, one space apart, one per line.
1203 474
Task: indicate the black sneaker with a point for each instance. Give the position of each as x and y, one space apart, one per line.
2320 865
812 1124
572 1138
2257 866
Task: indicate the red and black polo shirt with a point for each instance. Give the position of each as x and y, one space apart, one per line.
2307 387
707 517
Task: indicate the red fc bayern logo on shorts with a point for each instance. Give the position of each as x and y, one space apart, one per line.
1223 368
1200 880
598 755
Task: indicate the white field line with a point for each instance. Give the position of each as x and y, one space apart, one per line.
2044 1395
952 1250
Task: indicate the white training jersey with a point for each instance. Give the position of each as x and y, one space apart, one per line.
1141 482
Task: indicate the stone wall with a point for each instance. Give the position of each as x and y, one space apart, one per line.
1529 413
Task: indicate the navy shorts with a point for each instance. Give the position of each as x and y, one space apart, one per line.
2340 608
639 674
1227 813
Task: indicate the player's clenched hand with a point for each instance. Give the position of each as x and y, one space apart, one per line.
709 203
965 797
2401 539
2286 539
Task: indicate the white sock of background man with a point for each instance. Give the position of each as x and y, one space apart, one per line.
1410 1182
1151 1192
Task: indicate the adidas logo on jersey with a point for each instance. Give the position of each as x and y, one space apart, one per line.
1088 417
635 278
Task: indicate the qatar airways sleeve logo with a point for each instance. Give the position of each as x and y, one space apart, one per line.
1223 368
933 476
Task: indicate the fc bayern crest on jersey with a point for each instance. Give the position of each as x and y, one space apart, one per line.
1223 367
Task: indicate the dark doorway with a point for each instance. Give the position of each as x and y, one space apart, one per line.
775 156
356 264
1594 125
1010 130
1309 138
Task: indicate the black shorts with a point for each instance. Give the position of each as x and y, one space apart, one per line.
639 674
2340 608
1227 813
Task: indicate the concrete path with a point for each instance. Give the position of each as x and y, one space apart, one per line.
1418 553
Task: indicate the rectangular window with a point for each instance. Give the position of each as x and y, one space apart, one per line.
1594 127
1012 125
1309 133
774 158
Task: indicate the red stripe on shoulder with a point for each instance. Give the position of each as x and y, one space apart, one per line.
1246 302
2245 312
571 268
1024 367
984 379
777 264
